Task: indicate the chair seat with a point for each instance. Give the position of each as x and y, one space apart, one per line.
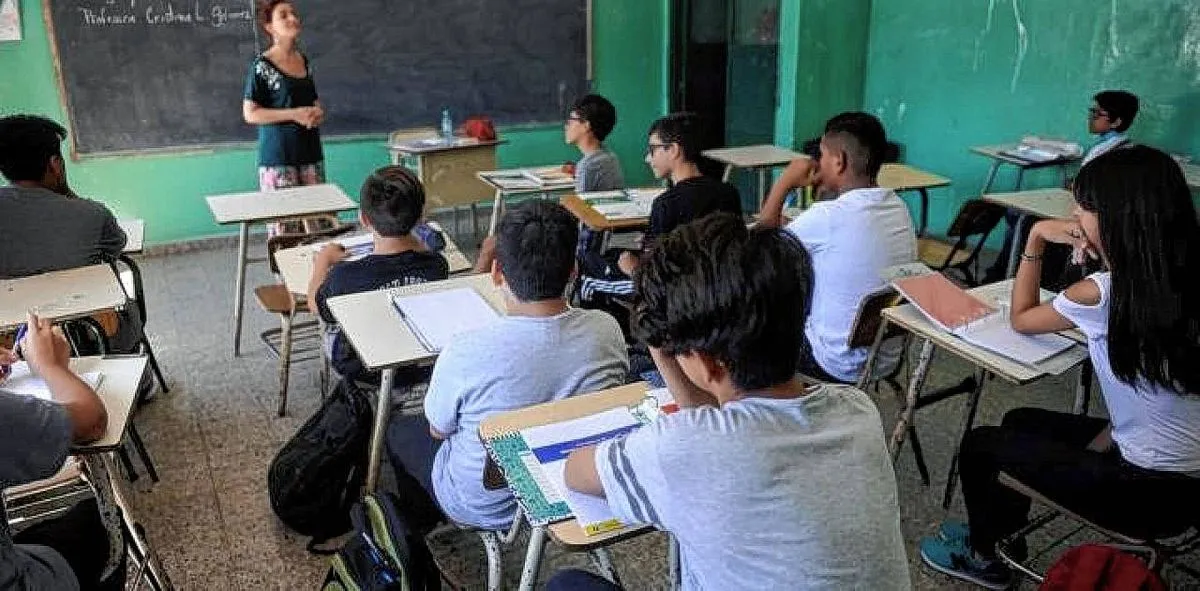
275 298
933 252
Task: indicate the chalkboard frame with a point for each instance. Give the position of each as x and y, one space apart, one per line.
210 147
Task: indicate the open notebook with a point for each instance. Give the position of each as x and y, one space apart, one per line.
22 382
622 204
534 462
357 246
436 317
971 319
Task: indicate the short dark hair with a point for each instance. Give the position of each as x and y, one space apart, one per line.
535 246
741 296
683 129
1150 236
27 143
862 137
392 200
600 114
1119 104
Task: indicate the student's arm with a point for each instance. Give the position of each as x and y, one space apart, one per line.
112 237
46 350
1028 314
801 172
328 256
487 255
581 474
254 114
685 393
447 385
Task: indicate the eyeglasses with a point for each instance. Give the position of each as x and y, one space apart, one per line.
1094 113
650 148
575 118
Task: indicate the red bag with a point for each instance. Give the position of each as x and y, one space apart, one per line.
478 127
1096 567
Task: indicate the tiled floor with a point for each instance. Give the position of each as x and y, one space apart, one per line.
213 436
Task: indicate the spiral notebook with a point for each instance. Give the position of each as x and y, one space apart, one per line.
533 461
975 321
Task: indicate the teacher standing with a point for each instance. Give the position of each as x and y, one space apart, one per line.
281 99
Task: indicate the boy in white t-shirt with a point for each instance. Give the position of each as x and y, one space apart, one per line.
765 482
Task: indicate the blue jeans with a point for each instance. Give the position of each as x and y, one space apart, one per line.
411 450
579 580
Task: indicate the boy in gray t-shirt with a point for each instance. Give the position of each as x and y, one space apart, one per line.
542 350
764 482
589 122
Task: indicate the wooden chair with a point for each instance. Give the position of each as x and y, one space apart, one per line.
276 299
1172 544
976 219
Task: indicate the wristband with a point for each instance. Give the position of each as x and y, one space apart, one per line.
1030 257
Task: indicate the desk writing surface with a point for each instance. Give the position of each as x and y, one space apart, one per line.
380 336
568 532
60 295
914 321
755 156
258 206
593 219
1044 203
135 234
486 177
118 389
996 152
902 177
296 264
431 145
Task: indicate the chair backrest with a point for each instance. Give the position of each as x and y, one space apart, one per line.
870 316
976 218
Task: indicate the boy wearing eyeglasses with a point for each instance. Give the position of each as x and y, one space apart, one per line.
1110 116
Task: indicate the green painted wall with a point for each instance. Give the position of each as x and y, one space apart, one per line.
168 190
822 64
946 75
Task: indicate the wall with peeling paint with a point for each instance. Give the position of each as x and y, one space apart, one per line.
944 75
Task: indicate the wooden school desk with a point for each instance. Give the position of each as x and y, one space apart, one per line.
761 157
135 235
258 207
501 193
598 222
902 177
447 170
908 317
296 264
384 341
60 295
998 157
1040 203
118 391
567 533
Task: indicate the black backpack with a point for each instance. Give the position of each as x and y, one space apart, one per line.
317 477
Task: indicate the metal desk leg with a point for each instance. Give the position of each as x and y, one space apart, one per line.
1083 389
533 558
497 207
869 366
762 187
120 525
383 410
728 173
924 212
908 405
239 286
1020 177
968 422
991 177
673 566
1018 244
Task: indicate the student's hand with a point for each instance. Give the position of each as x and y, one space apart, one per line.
800 172
308 117
44 346
1063 232
628 262
330 255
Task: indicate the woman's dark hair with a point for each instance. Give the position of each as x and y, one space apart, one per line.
265 10
1151 237
740 296
392 199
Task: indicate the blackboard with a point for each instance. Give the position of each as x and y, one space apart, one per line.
145 75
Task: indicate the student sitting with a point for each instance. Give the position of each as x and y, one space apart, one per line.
69 552
672 151
44 226
542 350
1138 472
391 203
853 232
765 483
1110 116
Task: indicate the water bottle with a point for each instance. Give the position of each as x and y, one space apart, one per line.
447 125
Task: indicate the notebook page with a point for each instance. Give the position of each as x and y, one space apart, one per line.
356 247
22 382
997 335
438 316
